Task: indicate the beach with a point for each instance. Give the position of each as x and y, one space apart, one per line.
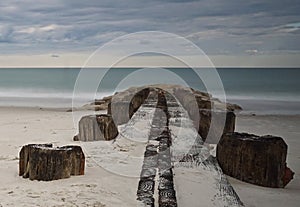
286 127
99 187
123 103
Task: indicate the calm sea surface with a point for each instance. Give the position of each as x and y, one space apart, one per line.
258 90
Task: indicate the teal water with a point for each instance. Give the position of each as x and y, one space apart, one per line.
258 90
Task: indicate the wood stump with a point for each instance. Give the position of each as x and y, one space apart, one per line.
45 162
254 159
121 111
218 127
97 127
201 107
124 105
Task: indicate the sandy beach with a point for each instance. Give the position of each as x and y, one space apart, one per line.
288 128
99 187
166 82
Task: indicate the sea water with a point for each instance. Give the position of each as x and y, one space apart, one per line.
257 90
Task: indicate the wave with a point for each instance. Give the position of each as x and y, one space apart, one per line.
251 104
46 98
268 106
41 93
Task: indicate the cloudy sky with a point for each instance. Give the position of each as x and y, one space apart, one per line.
221 28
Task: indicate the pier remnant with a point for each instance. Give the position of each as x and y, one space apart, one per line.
260 160
97 127
45 162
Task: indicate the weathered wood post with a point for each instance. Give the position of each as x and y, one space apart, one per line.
125 104
77 159
97 127
43 162
254 159
201 107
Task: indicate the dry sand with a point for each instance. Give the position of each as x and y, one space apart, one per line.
99 187
288 127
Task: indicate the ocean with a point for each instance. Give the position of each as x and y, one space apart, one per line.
257 90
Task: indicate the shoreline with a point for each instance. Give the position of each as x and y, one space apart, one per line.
65 109
33 108
251 106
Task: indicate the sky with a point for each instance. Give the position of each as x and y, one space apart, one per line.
231 32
